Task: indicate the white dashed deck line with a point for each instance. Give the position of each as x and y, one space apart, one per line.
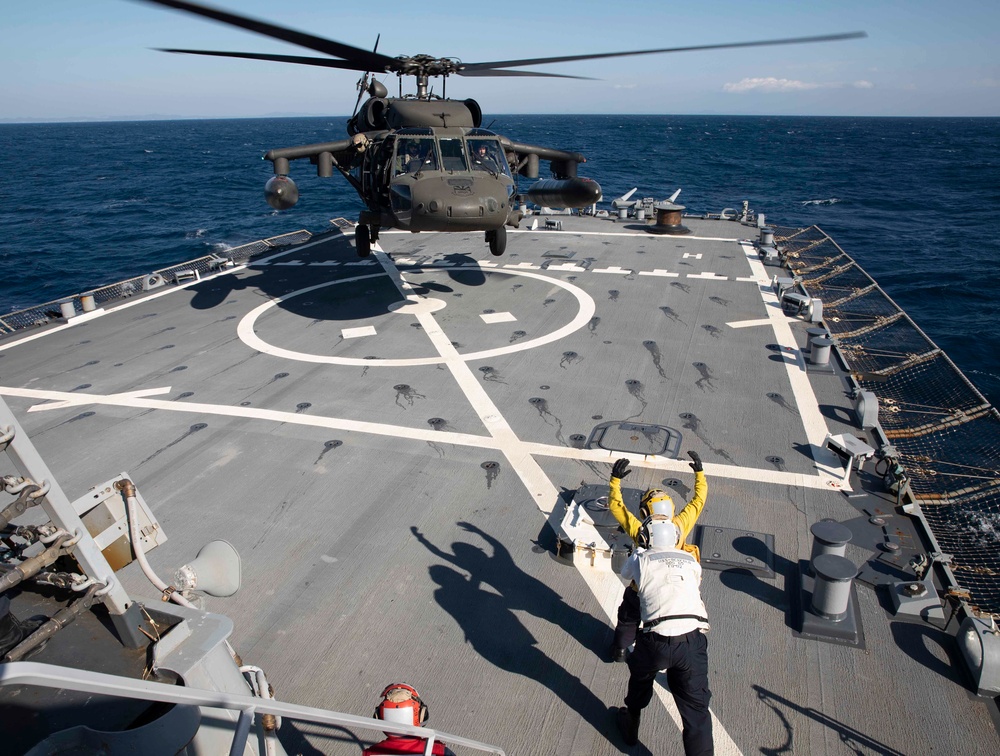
324 264
524 266
708 276
290 263
615 270
695 255
567 267
659 272
355 333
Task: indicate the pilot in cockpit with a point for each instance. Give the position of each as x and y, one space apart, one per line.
482 159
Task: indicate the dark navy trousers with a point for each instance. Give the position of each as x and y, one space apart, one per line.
685 659
629 614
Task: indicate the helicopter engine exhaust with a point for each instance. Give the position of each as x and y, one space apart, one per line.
572 192
281 192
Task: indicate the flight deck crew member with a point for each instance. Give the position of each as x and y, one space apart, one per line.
401 704
667 574
654 501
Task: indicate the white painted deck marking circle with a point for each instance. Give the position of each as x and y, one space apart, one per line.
245 330
354 333
417 306
497 317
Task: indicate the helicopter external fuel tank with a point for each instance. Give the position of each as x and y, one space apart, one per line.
572 192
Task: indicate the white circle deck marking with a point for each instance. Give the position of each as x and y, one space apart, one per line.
246 332
417 306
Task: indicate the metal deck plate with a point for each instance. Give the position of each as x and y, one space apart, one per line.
637 438
728 548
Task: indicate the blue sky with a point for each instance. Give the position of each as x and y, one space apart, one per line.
72 60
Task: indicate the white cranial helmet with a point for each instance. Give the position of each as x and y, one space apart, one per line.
660 532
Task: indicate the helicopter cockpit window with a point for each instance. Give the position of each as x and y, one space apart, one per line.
413 155
486 155
453 155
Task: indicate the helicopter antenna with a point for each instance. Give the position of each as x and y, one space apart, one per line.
363 81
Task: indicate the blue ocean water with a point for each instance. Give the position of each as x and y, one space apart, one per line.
914 200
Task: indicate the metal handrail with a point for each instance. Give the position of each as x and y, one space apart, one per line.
67 678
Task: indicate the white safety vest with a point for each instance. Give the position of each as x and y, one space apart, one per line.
669 583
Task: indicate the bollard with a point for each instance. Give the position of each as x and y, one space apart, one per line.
622 213
68 309
832 593
87 302
819 354
767 237
828 538
815 333
640 214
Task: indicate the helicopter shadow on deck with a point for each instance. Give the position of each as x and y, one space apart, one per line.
492 628
367 298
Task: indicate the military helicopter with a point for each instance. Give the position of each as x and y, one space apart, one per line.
422 162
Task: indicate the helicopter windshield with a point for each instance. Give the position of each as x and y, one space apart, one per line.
486 155
414 155
453 155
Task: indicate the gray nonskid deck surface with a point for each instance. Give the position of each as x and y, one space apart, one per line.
390 506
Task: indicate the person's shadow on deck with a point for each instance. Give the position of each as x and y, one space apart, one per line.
497 635
519 589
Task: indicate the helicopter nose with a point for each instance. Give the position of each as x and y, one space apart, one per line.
461 203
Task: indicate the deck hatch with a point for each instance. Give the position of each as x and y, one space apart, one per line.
729 548
636 438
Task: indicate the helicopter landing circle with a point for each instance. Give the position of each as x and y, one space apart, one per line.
417 306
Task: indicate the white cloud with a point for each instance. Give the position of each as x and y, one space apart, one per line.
769 84
625 86
773 84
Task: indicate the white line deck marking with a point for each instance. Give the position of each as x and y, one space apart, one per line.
805 399
497 317
354 333
695 255
245 329
524 266
614 269
708 276
567 266
658 272
749 323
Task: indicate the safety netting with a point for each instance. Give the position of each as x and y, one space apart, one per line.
944 432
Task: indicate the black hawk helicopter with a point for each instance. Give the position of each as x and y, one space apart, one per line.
423 162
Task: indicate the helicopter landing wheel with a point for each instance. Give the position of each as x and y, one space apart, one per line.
363 240
497 240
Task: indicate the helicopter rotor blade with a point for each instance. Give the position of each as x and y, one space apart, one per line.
300 59
508 72
467 67
366 60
